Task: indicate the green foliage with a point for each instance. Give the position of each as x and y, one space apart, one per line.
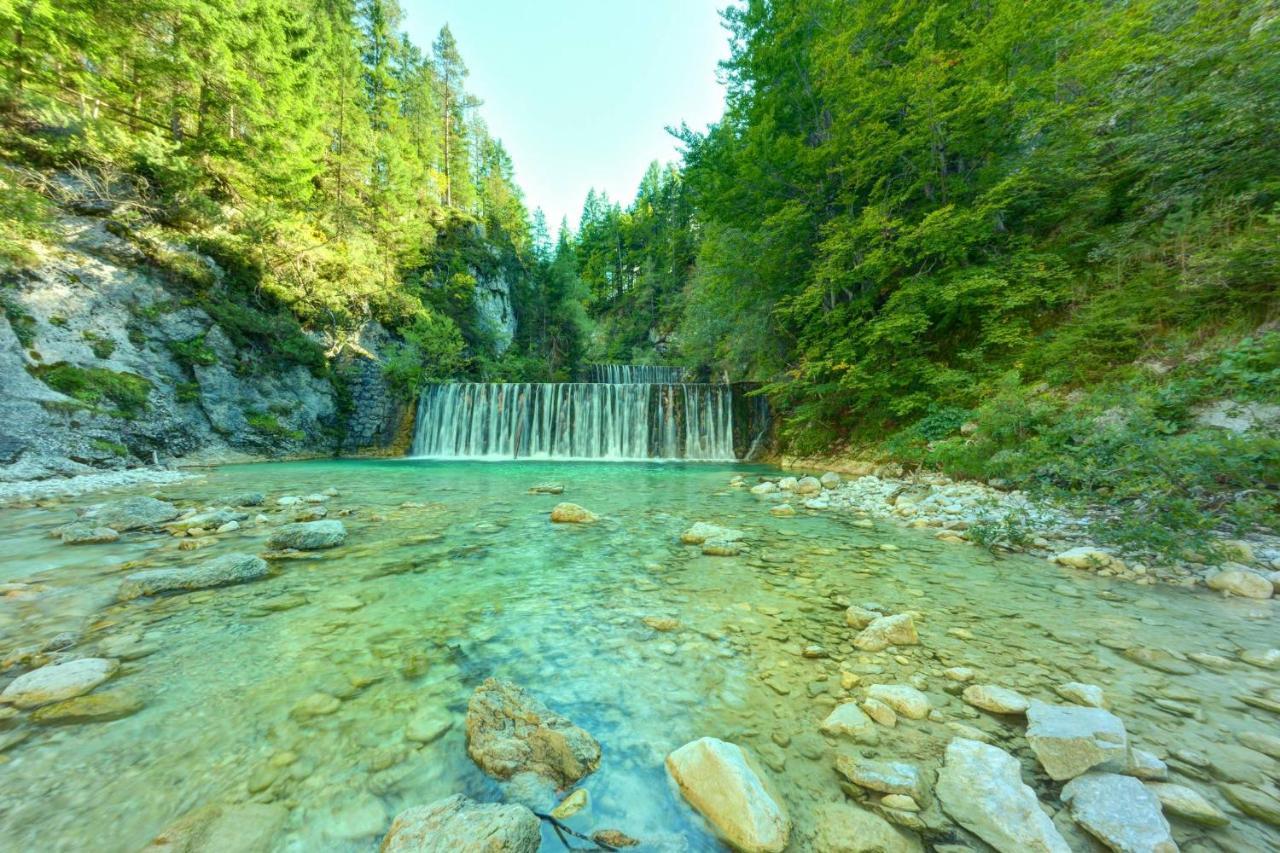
104 446
431 349
193 351
267 424
102 347
24 216
188 392
97 385
20 320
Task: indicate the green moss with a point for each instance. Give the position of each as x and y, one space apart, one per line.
267 424
104 446
94 386
22 323
102 347
58 320
193 351
188 392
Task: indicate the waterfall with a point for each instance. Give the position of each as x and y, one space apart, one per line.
628 417
618 374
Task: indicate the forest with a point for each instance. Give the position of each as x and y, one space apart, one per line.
1020 242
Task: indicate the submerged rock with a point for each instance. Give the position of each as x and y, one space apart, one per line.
567 513
547 489
86 534
703 532
1069 739
510 732
903 698
848 719
1120 812
885 631
94 708
243 828
460 825
243 499
1159 659
981 788
221 571
56 682
130 514
722 782
308 535
847 828
721 548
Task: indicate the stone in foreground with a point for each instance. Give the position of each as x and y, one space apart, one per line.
847 828
981 788
222 571
1120 812
57 682
308 536
131 514
1069 739
510 732
459 825
567 513
726 787
885 631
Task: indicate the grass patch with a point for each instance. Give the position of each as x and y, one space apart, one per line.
95 386
20 320
102 347
188 392
103 446
267 424
194 351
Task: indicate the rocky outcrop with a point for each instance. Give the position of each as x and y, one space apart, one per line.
461 825
379 418
510 732
727 788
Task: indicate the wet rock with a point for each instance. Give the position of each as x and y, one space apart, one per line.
808 486
903 698
567 513
848 719
880 712
571 805
315 705
243 828
847 828
959 673
1068 739
509 732
703 532
547 489
1120 812
243 499
220 571
722 782
886 777
997 700
860 617
464 826
356 817
721 548
428 725
1253 802
1267 744
308 535
981 788
661 624
1186 803
86 534
829 480
764 488
1159 659
1086 557
311 512
614 838
1263 658
782 511
210 520
1090 695
1241 582
94 708
130 514
57 682
885 631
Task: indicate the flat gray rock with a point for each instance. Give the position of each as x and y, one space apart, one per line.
130 514
308 535
221 571
57 682
1070 739
1120 812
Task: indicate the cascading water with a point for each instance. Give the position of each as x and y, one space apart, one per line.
618 374
629 417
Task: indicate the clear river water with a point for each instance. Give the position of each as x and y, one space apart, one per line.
452 572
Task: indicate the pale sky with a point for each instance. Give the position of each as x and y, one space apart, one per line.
581 91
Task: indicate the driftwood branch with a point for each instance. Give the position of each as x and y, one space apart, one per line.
561 831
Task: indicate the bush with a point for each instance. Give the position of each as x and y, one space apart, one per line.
193 351
94 385
267 424
102 347
104 446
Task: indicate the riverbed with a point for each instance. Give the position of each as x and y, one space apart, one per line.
452 573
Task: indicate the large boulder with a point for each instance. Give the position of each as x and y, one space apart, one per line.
308 535
1070 739
220 571
567 513
1243 583
808 486
981 788
727 788
510 732
1120 812
885 631
459 825
847 828
130 514
58 681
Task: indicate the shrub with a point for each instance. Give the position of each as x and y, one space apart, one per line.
94 385
104 446
193 351
267 424
20 320
102 347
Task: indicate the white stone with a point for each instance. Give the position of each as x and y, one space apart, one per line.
997 700
57 682
1120 812
885 631
1068 739
903 698
848 719
1082 694
726 787
981 788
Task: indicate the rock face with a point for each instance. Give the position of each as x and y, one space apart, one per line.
308 535
459 824
981 787
885 631
1243 583
846 828
567 513
57 682
221 571
510 732
1120 812
130 514
726 787
1069 739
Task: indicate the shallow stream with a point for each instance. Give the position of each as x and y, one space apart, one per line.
464 577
